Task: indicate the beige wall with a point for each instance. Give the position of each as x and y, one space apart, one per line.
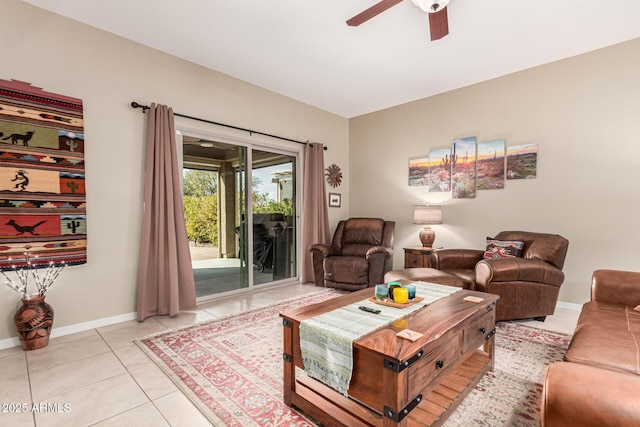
584 112
107 73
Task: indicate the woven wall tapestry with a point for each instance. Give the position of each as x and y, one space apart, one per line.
42 181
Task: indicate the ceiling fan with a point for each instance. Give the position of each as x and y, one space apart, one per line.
437 10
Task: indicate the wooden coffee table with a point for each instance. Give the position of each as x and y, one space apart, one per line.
397 382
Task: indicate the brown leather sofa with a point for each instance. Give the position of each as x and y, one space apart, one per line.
528 286
359 255
598 384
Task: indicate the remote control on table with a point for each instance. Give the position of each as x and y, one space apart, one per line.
369 309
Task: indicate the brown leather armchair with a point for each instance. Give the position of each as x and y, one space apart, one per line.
528 286
359 255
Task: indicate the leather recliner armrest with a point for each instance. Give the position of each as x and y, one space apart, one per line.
324 249
616 287
517 269
450 259
378 250
581 395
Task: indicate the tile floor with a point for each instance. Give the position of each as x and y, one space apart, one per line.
101 378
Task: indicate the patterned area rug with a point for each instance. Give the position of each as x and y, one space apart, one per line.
231 369
510 394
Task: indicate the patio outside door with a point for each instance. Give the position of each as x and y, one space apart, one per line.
232 249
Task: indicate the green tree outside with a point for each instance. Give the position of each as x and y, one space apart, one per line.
200 183
201 205
262 203
201 214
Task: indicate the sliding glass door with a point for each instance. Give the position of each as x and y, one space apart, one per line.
274 212
240 207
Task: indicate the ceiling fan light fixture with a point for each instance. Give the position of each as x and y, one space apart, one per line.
431 6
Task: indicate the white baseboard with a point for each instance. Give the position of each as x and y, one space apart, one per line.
72 329
9 342
569 306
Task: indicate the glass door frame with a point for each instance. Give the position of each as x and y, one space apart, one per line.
285 148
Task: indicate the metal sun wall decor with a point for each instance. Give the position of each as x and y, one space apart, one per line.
334 175
467 166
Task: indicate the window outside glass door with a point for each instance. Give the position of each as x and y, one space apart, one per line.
274 211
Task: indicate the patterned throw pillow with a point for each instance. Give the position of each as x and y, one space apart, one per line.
503 248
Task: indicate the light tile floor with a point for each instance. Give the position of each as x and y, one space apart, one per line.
101 378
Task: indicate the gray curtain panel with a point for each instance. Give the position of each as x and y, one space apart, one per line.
315 218
165 277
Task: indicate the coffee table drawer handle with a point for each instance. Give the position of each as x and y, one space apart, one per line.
440 363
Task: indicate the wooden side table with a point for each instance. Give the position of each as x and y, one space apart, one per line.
417 257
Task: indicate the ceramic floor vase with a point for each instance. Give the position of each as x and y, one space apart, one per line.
34 321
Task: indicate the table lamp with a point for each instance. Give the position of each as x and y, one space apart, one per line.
427 214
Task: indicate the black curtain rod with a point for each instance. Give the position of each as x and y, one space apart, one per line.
144 108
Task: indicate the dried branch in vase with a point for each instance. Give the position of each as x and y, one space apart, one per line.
31 268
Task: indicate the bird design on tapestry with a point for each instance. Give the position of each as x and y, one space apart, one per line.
21 229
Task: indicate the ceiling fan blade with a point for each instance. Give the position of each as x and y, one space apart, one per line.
374 10
439 24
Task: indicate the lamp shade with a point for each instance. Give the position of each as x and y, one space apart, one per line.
427 214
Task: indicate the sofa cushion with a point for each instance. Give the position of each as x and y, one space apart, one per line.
503 248
467 276
607 336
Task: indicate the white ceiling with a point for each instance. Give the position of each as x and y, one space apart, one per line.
304 49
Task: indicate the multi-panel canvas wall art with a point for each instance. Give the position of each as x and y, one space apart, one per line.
440 170
42 177
467 166
463 165
522 161
419 171
491 164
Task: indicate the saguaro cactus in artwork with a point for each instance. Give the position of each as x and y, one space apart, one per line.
72 145
72 186
447 162
73 226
